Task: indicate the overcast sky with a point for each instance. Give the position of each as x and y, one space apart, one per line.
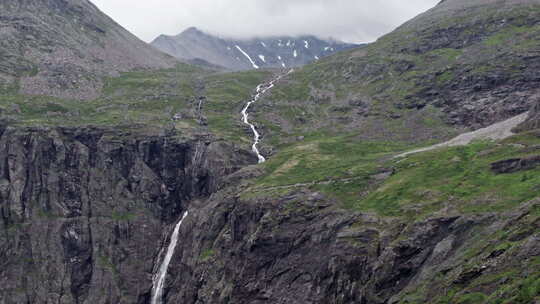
348 20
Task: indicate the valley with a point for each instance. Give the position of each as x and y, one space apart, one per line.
403 171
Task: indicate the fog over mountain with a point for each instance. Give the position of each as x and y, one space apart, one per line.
271 52
355 21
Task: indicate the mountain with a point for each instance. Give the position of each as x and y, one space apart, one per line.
461 65
406 171
274 52
64 47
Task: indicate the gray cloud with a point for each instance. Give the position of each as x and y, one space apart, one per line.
349 20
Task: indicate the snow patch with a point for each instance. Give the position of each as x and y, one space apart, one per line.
317 57
283 65
247 56
262 58
279 57
497 131
295 54
289 43
306 44
263 44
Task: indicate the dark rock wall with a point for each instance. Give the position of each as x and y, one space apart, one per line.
83 214
300 249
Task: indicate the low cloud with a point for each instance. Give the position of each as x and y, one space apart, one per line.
348 20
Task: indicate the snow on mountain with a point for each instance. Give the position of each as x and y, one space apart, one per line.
269 52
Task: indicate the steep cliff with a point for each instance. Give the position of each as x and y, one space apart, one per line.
83 210
301 249
333 216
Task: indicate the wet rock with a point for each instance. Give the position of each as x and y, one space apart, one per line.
91 205
469 275
515 164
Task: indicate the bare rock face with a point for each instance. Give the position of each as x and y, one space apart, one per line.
516 164
83 211
533 122
64 47
299 249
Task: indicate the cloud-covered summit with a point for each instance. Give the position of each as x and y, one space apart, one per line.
348 20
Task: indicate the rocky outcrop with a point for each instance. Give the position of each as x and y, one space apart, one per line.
300 249
533 122
85 213
83 210
515 164
475 86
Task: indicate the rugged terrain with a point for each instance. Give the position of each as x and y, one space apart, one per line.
234 54
90 192
64 47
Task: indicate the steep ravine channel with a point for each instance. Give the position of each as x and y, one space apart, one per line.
160 276
261 90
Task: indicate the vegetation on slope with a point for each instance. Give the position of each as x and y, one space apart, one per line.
160 99
467 68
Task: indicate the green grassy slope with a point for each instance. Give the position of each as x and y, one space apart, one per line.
465 68
146 98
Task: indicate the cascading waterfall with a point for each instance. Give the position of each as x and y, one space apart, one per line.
261 89
159 278
158 281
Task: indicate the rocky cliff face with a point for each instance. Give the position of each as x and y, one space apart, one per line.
83 211
64 47
86 212
301 249
271 52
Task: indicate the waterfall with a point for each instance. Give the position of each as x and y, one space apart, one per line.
261 89
159 278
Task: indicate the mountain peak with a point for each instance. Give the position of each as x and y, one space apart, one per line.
245 54
192 31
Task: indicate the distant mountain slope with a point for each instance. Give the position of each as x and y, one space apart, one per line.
462 64
64 47
275 52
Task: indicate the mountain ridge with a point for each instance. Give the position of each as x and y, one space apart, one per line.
90 192
244 54
63 48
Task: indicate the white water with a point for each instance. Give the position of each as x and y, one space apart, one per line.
159 278
261 89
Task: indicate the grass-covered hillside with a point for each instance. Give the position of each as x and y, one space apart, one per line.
462 64
338 125
187 98
454 225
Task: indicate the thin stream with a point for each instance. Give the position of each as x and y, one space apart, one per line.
261 89
158 281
